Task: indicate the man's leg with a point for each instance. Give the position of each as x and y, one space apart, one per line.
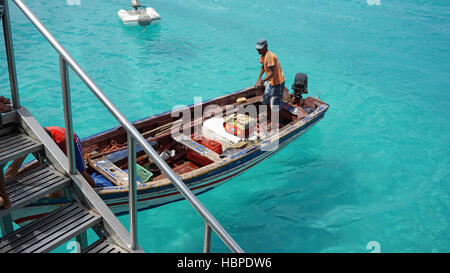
275 105
264 114
267 94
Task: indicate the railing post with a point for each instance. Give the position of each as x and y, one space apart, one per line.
10 57
207 240
132 185
67 114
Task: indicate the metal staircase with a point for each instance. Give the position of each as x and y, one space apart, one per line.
20 136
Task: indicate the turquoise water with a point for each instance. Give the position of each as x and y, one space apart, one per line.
376 168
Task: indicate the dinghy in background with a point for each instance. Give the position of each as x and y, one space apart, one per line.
139 15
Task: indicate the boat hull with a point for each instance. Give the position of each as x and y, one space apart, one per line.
148 198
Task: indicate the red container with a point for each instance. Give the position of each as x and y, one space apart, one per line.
235 130
197 158
184 168
240 125
208 143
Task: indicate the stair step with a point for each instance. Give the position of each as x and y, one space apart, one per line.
16 145
8 117
102 246
50 231
31 186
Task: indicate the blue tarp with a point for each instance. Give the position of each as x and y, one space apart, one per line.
102 181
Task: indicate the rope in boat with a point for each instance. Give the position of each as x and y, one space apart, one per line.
112 146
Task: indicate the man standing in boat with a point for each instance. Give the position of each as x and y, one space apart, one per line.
274 79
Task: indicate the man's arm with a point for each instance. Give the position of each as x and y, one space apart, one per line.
269 74
259 82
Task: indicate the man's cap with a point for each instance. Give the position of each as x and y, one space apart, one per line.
261 43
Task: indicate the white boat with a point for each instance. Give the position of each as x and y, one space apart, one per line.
139 17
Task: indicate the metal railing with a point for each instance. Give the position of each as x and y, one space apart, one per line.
132 134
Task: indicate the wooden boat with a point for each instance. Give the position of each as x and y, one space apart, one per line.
201 168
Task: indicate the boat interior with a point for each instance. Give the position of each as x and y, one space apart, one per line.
217 134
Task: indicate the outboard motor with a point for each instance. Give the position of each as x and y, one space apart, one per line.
299 87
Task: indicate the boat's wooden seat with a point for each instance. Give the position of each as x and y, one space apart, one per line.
110 171
197 147
253 100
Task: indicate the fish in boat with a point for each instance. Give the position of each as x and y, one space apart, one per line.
205 159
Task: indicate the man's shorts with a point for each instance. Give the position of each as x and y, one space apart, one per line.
273 95
78 155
